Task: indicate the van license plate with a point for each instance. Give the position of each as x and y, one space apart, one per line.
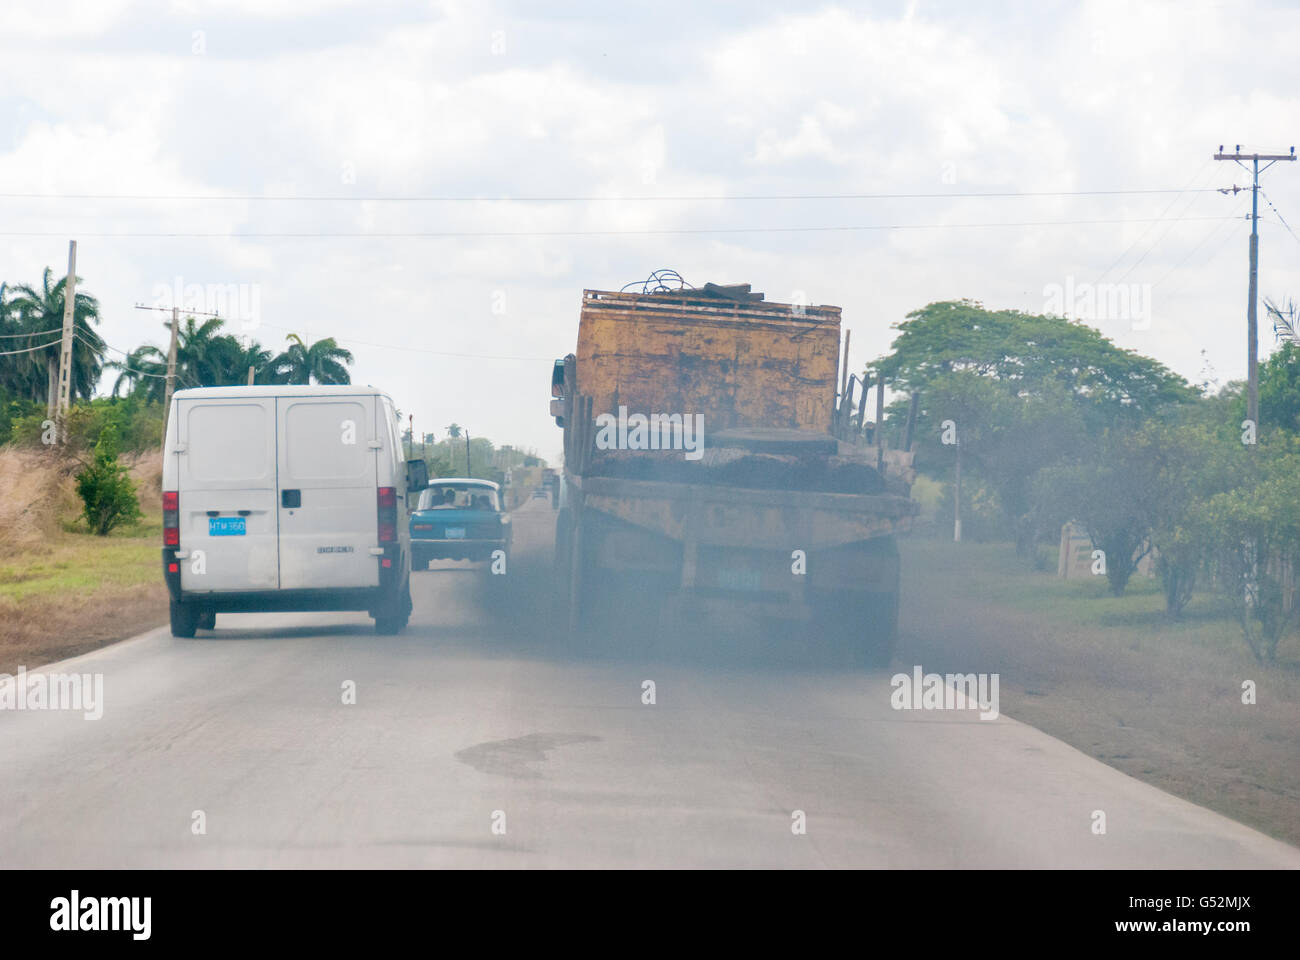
226 527
455 533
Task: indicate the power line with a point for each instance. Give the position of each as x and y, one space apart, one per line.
591 199
43 346
105 347
406 348
34 333
544 234
1207 238
1279 214
1196 176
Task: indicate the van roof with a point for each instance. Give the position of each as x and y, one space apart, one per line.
279 390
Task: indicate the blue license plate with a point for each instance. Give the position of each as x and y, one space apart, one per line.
226 527
734 579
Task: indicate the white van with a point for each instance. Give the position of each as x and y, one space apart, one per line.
284 498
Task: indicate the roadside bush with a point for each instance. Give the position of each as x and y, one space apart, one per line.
138 426
105 489
1255 532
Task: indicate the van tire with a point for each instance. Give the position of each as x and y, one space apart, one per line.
397 615
207 619
184 618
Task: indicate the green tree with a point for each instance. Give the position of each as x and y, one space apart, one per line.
107 493
1279 389
323 362
1255 532
140 372
1192 459
1111 488
1022 392
39 313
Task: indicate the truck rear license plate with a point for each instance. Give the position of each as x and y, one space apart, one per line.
738 579
455 533
226 527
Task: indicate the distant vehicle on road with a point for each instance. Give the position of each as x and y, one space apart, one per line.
458 518
284 498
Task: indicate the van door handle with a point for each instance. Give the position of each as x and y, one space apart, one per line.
291 498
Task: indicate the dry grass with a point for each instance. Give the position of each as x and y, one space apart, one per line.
1158 700
62 590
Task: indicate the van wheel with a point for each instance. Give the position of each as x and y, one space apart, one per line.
185 619
397 615
207 619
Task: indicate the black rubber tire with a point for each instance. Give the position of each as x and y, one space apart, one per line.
184 619
394 620
207 619
877 649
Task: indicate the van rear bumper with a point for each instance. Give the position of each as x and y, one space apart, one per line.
286 601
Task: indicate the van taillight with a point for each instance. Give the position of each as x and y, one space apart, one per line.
171 503
387 514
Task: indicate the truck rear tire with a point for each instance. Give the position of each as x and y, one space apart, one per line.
207 619
881 627
184 619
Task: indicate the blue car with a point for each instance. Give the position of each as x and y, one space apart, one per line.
458 519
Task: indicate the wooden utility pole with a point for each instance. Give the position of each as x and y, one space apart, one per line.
171 364
844 377
171 356
956 497
65 351
469 467
880 423
1252 326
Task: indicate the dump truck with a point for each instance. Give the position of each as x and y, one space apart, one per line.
714 476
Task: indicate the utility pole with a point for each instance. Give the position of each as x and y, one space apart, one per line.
956 497
171 356
65 351
469 467
1252 326
171 365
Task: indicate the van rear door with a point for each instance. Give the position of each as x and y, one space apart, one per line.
227 492
327 499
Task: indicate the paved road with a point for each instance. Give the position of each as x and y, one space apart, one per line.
467 721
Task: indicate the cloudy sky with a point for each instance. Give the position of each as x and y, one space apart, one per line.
452 175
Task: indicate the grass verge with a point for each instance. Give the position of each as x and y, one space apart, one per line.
1158 699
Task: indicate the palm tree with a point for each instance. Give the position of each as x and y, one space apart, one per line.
40 314
322 362
453 431
202 358
260 359
142 371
